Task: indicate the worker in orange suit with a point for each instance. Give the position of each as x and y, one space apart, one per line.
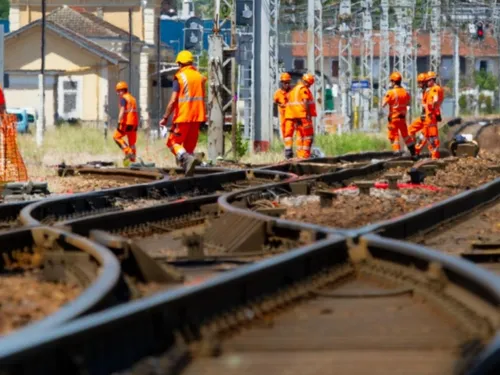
281 97
188 106
433 100
299 112
418 125
398 100
128 121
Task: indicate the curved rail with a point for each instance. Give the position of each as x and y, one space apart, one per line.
102 201
197 314
101 283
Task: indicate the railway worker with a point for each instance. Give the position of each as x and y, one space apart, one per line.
398 100
299 111
418 125
433 100
2 102
281 97
128 121
187 104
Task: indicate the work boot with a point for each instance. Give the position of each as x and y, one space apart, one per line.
412 150
288 154
189 162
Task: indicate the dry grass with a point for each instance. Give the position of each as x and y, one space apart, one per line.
78 145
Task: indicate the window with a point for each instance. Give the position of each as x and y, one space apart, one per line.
483 66
69 97
299 64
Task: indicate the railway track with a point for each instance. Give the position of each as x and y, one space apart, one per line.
50 211
176 244
331 306
352 198
49 277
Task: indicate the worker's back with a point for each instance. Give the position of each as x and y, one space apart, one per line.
191 103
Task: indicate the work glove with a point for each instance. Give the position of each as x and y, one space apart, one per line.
163 131
422 117
438 117
163 121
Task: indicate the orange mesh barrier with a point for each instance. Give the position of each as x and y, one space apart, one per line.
12 168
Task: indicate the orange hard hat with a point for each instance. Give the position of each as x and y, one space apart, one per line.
285 77
422 77
431 75
121 86
308 78
396 77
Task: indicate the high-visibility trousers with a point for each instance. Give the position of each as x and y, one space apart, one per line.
12 167
282 126
431 138
305 137
129 131
394 128
183 138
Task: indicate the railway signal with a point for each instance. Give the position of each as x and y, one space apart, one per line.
480 31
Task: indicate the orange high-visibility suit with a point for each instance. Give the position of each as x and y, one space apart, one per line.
298 113
281 98
128 126
190 111
419 124
398 100
430 130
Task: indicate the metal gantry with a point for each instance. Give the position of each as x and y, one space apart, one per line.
345 61
435 35
367 63
404 31
384 53
315 60
274 68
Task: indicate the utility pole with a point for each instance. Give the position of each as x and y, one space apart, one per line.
315 55
384 55
274 68
158 68
130 52
456 78
435 35
495 15
367 63
345 61
40 124
217 85
404 14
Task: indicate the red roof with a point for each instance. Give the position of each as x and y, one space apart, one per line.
485 48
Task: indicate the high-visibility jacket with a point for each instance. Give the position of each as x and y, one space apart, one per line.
191 100
431 105
298 98
281 98
398 100
130 116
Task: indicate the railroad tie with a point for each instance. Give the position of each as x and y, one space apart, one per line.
237 233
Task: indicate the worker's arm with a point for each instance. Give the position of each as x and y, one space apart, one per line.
172 103
123 103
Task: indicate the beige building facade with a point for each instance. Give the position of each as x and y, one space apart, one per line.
104 25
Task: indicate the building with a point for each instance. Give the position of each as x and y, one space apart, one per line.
101 25
485 53
92 96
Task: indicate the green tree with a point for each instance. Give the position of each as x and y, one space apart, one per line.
4 9
486 81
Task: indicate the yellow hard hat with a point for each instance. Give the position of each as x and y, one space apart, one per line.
396 77
184 57
308 78
121 86
431 75
422 77
285 77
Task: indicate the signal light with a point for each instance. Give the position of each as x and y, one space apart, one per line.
479 31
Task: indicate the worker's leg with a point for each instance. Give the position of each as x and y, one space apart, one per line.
191 139
433 139
288 138
305 133
282 127
175 142
132 140
393 135
408 139
118 138
414 128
